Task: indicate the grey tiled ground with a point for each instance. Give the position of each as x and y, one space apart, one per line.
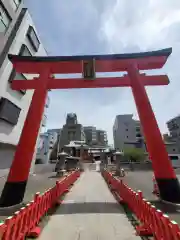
89 212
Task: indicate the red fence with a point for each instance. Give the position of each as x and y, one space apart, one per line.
152 221
25 222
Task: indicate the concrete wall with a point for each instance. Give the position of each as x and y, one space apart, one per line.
172 148
6 155
136 166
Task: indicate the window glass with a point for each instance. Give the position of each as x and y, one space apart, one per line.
24 51
19 76
4 19
15 4
9 111
2 27
31 34
174 157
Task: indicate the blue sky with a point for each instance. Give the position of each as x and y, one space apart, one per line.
68 27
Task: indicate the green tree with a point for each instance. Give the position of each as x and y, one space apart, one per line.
134 154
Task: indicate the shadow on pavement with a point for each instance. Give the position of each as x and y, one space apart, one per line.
171 210
89 207
168 208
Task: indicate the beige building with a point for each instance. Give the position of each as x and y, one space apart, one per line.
72 130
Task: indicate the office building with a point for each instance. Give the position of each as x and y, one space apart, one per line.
54 131
18 36
101 137
46 144
72 130
127 132
95 137
124 130
172 139
90 135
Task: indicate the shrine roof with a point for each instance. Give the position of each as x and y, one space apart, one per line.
159 53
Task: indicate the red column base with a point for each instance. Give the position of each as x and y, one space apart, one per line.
169 189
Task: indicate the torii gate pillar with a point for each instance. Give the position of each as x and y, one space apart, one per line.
15 186
164 173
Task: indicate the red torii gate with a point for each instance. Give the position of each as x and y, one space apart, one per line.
15 186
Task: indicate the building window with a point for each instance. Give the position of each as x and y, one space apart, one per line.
126 129
15 4
126 136
24 51
9 112
31 35
138 135
5 19
71 136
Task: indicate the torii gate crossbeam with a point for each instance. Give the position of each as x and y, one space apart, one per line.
167 181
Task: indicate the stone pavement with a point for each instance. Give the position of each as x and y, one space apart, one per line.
89 212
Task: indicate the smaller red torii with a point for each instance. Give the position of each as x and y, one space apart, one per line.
167 181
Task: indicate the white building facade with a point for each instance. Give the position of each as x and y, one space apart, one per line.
46 143
14 105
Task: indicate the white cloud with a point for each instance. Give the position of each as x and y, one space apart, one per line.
142 23
149 25
116 26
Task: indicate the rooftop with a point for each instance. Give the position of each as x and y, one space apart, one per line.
174 118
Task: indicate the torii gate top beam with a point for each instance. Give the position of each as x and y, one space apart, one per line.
103 63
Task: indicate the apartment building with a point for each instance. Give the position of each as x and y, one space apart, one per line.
101 138
18 35
174 127
127 132
91 135
46 145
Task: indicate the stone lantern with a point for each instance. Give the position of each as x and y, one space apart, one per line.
105 160
119 156
60 165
